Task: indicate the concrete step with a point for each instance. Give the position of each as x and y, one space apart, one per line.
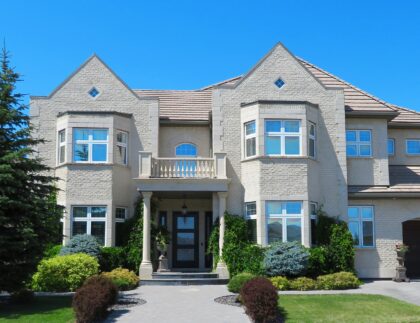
181 275
184 281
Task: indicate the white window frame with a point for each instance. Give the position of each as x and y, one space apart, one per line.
359 220
359 143
89 219
282 135
125 213
250 216
61 144
393 146
283 217
123 144
248 137
90 142
406 147
313 138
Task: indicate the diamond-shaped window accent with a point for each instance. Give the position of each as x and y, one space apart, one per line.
279 83
93 92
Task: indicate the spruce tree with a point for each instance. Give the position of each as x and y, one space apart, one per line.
29 216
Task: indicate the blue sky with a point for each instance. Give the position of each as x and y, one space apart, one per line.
189 44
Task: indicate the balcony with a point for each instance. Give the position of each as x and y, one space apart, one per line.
188 168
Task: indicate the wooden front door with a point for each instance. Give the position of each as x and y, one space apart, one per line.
411 237
185 240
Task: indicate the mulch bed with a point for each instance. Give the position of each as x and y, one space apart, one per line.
231 300
126 301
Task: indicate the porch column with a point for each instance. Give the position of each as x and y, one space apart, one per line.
221 268
146 268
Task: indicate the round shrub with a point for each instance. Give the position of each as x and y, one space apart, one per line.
260 298
91 301
64 273
303 283
82 243
237 282
123 278
111 258
286 259
341 280
280 282
317 264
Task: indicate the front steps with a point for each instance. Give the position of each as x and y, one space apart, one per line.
184 278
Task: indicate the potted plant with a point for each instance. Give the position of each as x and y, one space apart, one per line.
162 241
401 250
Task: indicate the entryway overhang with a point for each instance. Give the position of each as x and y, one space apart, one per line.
182 184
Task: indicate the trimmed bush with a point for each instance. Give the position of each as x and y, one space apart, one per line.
341 280
91 301
64 273
122 278
111 258
237 282
340 251
317 264
82 243
286 259
52 251
280 282
260 298
303 283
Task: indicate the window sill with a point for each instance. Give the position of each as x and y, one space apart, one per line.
277 157
359 157
90 164
365 248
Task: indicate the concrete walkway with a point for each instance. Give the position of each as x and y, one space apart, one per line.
173 304
408 292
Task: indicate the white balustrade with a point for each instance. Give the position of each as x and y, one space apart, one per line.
183 167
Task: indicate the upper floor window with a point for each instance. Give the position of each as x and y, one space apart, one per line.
391 147
413 146
250 139
284 221
282 137
89 220
359 143
186 150
312 140
361 225
90 145
62 146
122 142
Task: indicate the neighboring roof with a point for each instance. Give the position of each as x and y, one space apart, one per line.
355 99
181 105
406 118
403 180
230 81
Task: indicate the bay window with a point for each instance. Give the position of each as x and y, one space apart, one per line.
89 220
282 137
312 140
359 143
61 146
284 221
361 220
250 139
122 142
90 145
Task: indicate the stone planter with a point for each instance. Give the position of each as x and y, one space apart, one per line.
401 271
163 260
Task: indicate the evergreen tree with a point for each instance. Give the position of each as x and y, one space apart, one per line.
29 216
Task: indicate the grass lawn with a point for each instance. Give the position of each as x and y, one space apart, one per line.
43 309
347 308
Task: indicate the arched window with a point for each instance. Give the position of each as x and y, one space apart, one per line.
189 150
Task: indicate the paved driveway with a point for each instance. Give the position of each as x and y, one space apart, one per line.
172 304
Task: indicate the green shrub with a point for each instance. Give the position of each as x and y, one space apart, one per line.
280 282
112 258
340 251
91 301
303 283
52 251
341 280
82 243
323 229
237 282
239 253
317 264
122 278
288 259
64 273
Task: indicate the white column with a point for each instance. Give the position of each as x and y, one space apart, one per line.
221 268
146 268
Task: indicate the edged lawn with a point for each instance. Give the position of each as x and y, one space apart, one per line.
346 308
42 309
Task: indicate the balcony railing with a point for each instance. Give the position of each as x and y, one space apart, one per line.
182 167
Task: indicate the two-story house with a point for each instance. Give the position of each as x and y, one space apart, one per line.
272 145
